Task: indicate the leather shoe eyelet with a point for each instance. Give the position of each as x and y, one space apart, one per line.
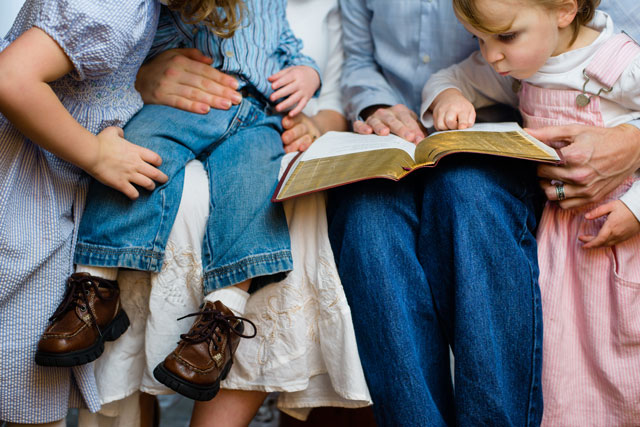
83 308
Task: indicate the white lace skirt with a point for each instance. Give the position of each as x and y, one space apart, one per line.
305 348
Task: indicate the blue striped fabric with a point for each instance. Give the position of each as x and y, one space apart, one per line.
42 197
263 46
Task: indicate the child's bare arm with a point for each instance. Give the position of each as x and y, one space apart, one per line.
621 224
451 110
27 100
296 85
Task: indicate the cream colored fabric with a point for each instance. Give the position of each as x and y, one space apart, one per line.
305 346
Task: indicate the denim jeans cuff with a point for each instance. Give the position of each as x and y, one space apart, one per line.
133 258
253 266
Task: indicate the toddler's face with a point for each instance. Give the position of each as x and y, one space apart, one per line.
530 36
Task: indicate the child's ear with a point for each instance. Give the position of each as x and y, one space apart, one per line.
566 13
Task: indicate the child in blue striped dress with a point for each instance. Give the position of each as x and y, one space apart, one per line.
247 240
67 69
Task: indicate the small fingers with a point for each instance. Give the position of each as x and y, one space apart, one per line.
129 190
603 238
272 78
283 92
147 155
289 102
601 210
466 120
283 80
299 106
143 181
451 120
153 173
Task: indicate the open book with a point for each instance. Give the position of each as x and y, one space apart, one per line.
339 158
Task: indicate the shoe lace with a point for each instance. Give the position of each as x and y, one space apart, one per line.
76 295
212 324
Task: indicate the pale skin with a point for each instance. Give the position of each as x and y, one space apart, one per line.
589 172
27 100
183 78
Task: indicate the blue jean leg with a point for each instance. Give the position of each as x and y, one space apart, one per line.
247 235
484 275
118 232
374 229
468 228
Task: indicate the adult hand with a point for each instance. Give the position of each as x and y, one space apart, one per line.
300 132
120 164
184 79
597 160
620 225
398 120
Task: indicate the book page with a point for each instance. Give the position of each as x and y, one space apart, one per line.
339 143
338 158
502 139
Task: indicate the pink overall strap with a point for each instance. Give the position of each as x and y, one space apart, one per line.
612 58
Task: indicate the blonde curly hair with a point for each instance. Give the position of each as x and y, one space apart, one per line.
223 16
468 12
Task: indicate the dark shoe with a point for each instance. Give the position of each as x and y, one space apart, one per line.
89 315
204 355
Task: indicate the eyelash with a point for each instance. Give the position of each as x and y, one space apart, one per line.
507 37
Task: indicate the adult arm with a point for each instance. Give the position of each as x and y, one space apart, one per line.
371 103
27 100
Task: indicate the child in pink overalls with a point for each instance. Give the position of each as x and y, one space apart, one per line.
560 63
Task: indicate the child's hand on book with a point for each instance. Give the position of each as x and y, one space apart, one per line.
120 164
451 110
620 225
300 132
295 85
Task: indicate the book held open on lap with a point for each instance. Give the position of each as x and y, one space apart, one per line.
339 158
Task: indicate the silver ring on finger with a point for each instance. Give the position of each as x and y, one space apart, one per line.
560 191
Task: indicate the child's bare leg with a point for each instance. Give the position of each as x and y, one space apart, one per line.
230 408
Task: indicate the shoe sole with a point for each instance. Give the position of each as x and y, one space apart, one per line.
187 389
80 357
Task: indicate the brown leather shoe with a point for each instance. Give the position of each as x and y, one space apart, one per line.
204 355
89 315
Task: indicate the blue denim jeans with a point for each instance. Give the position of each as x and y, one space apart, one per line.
445 257
246 235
